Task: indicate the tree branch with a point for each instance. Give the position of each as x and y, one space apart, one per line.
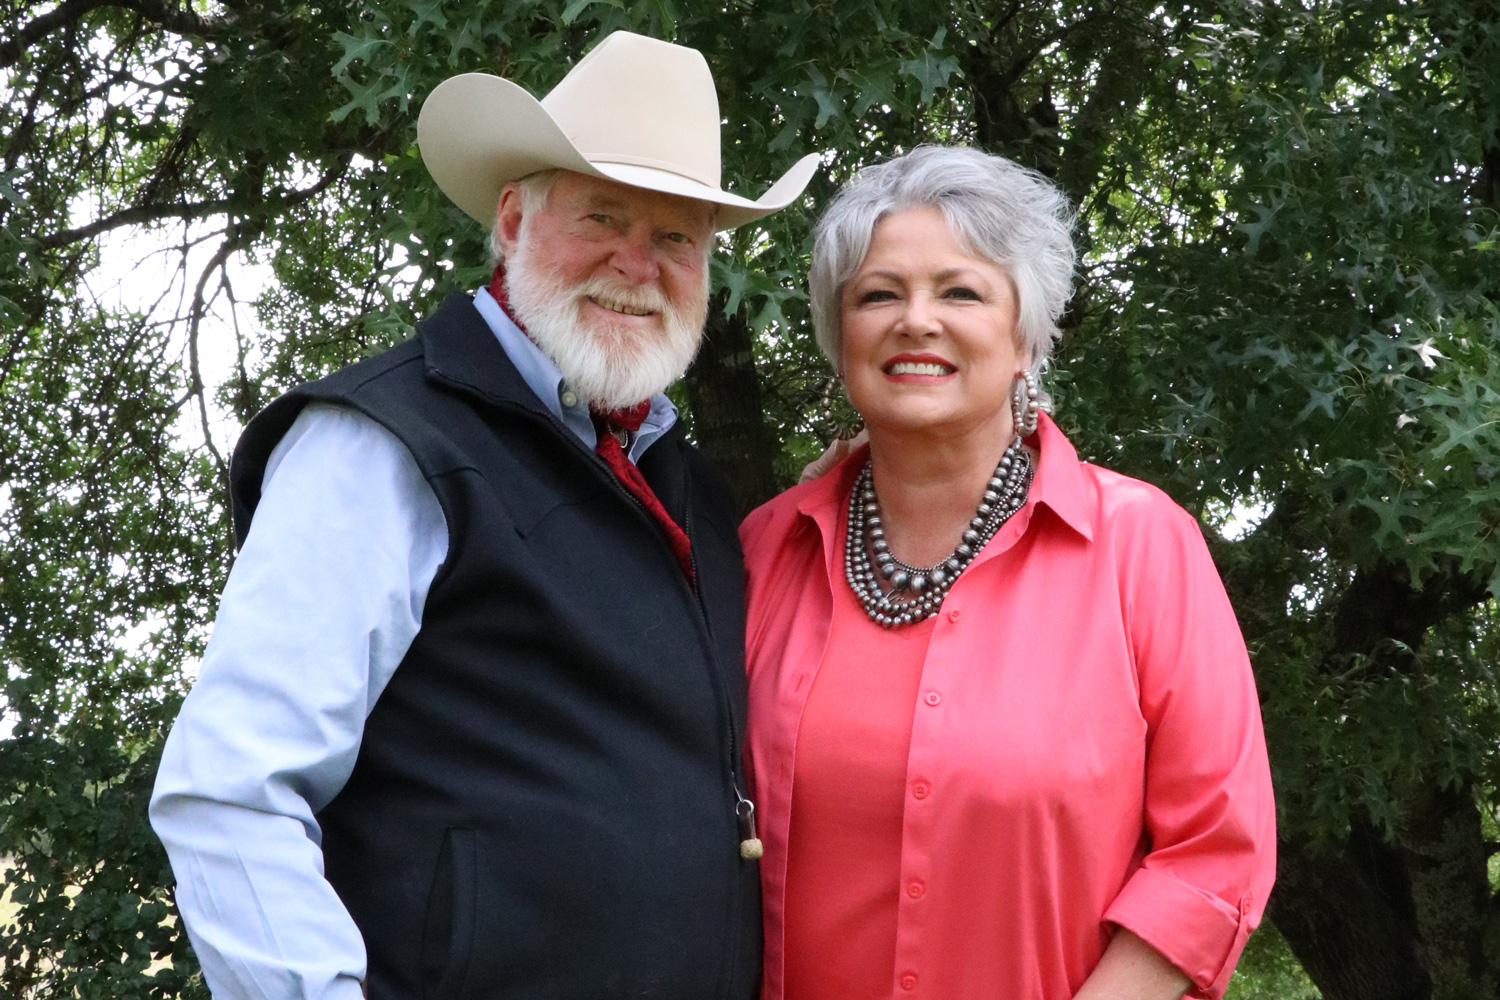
178 20
330 177
137 214
195 319
134 215
1381 605
70 10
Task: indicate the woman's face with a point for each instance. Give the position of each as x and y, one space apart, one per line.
928 332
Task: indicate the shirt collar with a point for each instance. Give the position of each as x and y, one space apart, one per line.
1057 484
543 378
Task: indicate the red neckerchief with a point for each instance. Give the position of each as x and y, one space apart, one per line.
608 447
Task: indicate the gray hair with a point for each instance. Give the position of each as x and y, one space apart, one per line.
996 210
534 190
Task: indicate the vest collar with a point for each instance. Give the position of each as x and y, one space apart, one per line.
461 351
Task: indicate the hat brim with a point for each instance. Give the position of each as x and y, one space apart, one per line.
478 132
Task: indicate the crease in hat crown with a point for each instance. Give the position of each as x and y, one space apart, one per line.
637 110
598 106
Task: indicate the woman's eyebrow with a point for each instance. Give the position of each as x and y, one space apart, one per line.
949 273
946 274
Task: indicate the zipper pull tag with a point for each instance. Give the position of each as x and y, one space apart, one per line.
750 846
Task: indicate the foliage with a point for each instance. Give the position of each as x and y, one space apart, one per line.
1269 971
1289 320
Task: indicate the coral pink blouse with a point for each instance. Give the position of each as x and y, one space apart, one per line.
843 867
1086 747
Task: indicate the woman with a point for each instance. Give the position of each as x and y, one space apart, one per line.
1004 731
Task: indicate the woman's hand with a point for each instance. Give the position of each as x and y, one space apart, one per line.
1133 970
832 456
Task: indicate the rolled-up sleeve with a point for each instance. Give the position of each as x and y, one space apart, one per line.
1210 814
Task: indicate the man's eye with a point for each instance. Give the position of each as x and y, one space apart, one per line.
601 218
679 238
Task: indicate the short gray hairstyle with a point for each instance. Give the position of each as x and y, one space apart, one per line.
997 211
534 190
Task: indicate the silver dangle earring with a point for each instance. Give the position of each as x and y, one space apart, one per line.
1025 403
834 428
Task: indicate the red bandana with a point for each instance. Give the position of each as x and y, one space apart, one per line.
609 449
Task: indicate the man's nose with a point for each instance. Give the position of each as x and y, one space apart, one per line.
635 258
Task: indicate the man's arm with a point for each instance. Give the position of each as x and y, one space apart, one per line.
322 604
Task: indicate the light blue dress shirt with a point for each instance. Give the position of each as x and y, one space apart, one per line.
323 601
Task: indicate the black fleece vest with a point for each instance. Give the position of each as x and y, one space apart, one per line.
544 799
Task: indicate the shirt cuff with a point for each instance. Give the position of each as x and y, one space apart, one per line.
1196 931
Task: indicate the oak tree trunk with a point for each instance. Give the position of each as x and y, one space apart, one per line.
729 423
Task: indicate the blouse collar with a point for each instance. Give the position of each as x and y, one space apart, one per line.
1058 484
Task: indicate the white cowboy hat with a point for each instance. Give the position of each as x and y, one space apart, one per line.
635 110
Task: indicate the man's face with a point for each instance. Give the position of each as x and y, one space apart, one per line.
611 281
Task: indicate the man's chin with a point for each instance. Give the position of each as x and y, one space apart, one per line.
612 359
617 337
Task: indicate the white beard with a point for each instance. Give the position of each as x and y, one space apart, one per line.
610 365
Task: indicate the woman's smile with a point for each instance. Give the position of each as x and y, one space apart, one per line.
918 368
928 331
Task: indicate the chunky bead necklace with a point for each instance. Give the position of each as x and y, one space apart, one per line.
918 591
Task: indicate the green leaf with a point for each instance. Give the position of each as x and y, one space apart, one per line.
428 12
932 69
356 49
9 193
576 7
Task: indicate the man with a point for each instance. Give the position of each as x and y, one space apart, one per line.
471 718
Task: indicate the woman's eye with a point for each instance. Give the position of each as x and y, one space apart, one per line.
876 295
962 292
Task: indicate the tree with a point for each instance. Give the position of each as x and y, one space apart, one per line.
1288 213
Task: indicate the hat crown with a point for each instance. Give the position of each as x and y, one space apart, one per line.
643 102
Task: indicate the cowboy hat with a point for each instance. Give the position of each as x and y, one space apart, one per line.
635 110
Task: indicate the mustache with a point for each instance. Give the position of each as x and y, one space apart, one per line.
622 297
610 361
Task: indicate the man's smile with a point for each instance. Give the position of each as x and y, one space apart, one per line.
621 307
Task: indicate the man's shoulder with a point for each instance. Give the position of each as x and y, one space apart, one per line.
390 387
392 379
404 358
342 386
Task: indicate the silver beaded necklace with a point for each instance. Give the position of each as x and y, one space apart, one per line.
917 591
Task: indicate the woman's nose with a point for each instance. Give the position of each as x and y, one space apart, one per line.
920 317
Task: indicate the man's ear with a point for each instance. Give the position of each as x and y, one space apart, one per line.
508 217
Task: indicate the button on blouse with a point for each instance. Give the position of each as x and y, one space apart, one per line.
1086 743
845 880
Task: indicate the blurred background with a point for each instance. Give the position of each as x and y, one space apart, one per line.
1287 317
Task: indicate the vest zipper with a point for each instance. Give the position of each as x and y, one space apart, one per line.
744 809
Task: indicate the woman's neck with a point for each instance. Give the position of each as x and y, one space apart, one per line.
929 486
